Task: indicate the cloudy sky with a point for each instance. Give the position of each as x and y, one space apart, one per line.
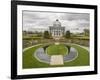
75 22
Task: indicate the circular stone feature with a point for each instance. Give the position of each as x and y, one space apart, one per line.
59 49
56 60
57 43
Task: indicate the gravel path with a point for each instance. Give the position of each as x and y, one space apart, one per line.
43 57
71 55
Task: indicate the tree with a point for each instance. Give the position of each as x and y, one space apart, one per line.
46 34
86 32
67 35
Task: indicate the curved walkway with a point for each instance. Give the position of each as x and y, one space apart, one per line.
41 56
71 55
31 47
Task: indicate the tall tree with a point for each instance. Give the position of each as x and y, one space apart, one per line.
46 34
86 32
67 35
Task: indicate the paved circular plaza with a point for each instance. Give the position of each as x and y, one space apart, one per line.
41 56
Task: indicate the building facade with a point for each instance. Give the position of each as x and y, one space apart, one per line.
57 30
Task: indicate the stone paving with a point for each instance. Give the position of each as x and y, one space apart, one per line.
71 55
43 57
56 60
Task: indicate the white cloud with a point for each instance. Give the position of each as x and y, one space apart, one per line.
71 21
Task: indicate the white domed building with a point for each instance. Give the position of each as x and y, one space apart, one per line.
57 30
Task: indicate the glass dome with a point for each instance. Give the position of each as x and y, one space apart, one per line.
57 23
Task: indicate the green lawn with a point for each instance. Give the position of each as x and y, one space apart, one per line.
82 59
82 37
57 49
29 61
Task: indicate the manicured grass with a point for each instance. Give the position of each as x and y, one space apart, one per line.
29 61
82 59
57 49
82 38
31 38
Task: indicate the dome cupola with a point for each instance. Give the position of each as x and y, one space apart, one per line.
57 23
